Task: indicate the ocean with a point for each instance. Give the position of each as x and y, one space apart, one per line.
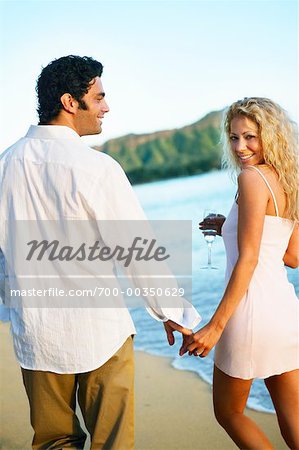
186 199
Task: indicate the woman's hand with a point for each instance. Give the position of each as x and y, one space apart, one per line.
212 221
203 341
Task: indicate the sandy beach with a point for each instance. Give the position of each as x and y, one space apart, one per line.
173 408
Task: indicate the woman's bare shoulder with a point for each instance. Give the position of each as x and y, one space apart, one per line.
252 188
249 175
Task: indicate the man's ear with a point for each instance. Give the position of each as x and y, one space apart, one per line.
69 103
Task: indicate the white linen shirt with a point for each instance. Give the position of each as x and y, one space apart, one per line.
50 174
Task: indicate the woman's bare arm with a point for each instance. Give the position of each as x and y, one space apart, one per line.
291 256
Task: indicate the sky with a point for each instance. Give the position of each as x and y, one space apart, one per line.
167 63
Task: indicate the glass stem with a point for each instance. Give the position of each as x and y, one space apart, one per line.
209 254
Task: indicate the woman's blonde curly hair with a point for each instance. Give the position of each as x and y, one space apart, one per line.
279 139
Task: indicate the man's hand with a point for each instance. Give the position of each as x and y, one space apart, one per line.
214 222
171 326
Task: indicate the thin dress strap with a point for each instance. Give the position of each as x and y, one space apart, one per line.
270 189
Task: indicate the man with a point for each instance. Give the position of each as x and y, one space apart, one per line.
51 175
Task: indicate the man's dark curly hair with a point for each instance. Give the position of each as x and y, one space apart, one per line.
69 74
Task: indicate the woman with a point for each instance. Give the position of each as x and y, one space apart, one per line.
255 325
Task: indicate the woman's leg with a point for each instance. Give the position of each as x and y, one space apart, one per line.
284 391
230 397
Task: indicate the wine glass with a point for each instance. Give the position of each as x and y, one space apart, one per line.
209 236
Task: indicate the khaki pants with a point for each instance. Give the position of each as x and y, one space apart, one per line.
106 399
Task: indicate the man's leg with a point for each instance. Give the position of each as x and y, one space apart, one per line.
106 398
52 399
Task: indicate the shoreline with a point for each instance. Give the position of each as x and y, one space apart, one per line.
173 408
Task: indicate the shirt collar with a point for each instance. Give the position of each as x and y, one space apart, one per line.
51 132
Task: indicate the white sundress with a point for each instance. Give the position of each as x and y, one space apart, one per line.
261 338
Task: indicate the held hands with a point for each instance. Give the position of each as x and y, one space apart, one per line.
214 221
201 342
197 344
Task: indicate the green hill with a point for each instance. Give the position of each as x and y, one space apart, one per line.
166 154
